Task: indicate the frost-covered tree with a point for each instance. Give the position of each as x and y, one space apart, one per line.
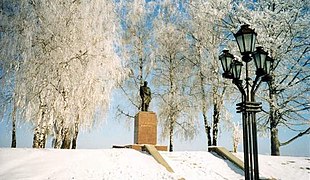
283 30
14 39
69 66
208 34
173 72
236 136
136 17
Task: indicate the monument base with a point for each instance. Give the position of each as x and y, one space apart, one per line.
141 147
145 132
145 128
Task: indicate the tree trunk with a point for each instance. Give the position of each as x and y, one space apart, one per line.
39 137
274 136
36 137
235 146
171 137
43 134
216 115
58 127
141 70
66 139
275 145
75 135
208 130
13 145
204 109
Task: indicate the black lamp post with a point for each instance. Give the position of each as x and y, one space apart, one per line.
226 61
246 39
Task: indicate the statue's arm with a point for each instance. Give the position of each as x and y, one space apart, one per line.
149 93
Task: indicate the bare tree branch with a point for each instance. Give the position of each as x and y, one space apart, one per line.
307 131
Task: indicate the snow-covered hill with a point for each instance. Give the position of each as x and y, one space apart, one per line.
130 164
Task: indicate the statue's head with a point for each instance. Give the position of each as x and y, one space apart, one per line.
145 83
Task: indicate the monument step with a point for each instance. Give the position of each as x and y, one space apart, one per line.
141 147
157 156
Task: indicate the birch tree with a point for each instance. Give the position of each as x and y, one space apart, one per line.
173 81
136 17
14 37
208 34
69 68
236 136
283 30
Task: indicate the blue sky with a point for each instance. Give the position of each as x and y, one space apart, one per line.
117 132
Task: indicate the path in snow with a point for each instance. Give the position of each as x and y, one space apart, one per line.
202 165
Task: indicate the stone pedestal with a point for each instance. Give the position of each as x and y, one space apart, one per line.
145 128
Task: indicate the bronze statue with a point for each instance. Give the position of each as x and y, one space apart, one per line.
145 93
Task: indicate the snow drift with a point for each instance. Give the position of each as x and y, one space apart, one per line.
117 164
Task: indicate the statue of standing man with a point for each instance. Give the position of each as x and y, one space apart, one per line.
145 93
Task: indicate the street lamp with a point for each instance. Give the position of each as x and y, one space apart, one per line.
226 60
267 68
236 67
246 38
260 57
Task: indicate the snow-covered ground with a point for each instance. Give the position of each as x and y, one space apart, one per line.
130 164
283 167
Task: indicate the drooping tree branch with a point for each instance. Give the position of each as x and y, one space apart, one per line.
307 131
